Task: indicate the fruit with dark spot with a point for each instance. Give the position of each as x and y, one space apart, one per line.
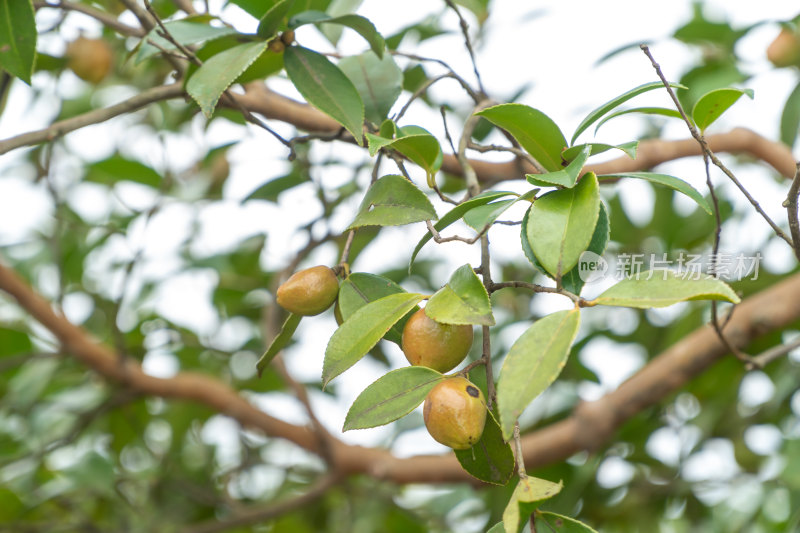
89 59
455 413
309 292
438 346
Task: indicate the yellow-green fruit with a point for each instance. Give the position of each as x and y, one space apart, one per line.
784 51
435 345
89 59
309 292
455 413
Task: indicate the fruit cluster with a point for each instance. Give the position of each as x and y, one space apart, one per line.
455 409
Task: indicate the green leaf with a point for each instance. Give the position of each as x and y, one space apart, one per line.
273 188
463 300
183 31
668 181
423 149
568 176
558 523
490 459
485 215
18 38
455 214
391 397
628 148
664 288
713 104
359 333
662 111
378 81
325 87
592 117
279 342
528 494
535 131
219 72
393 201
497 528
272 19
362 25
790 118
30 382
118 168
572 281
361 288
562 223
535 360
13 342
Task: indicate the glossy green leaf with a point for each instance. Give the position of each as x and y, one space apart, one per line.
463 300
567 176
534 361
17 38
572 281
218 73
527 496
185 32
378 81
325 87
660 111
272 19
661 288
455 214
597 113
361 288
628 148
790 118
359 333
423 149
490 459
713 104
535 132
279 342
666 180
362 25
485 215
562 223
391 397
393 201
558 523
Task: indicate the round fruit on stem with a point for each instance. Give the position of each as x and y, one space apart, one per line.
309 292
455 413
784 51
89 59
438 346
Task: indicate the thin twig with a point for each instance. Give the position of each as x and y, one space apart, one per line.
477 98
791 209
519 455
767 356
468 44
104 18
537 288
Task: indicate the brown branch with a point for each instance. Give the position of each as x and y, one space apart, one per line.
791 208
591 425
62 127
107 19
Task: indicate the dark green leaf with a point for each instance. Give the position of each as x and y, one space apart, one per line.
562 223
711 105
790 118
491 459
273 188
279 342
17 38
378 81
596 114
216 75
13 342
359 333
183 31
661 288
325 87
535 131
272 19
393 201
463 300
455 214
669 181
391 397
118 168
356 22
534 361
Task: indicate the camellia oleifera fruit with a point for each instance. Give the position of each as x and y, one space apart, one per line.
309 292
438 346
455 413
784 51
89 59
